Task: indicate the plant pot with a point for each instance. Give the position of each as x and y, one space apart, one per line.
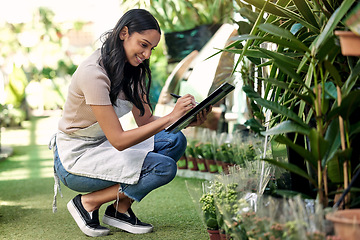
350 43
211 165
219 165
192 164
346 223
201 165
214 234
182 163
181 44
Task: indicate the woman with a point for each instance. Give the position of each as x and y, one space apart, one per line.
93 153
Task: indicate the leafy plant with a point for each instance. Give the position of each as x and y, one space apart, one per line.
309 86
181 15
209 211
225 153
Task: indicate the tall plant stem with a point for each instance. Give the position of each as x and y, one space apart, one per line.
317 90
343 145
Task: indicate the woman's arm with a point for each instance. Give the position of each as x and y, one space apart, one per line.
148 117
120 139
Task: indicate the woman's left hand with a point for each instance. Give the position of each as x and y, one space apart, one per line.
201 117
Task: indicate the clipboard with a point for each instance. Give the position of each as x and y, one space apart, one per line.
190 116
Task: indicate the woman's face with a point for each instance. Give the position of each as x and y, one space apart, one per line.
138 46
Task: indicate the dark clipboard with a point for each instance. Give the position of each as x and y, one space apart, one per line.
190 116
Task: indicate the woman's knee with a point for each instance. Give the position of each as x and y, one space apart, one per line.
180 141
167 169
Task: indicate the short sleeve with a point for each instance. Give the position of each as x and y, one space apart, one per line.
94 85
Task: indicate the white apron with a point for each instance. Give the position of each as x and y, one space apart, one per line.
87 152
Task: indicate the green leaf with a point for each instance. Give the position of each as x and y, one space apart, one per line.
295 17
286 127
248 14
270 7
306 12
330 90
292 168
292 62
249 53
281 61
318 144
333 72
283 33
335 170
299 149
307 97
273 106
332 136
351 80
244 27
254 125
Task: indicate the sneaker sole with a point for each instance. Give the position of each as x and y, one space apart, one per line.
126 226
81 223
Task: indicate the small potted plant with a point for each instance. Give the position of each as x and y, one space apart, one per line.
207 151
191 156
224 157
200 159
182 163
209 213
350 40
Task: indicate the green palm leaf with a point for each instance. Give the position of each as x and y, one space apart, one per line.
292 168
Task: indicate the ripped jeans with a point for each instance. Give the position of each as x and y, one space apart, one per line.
158 169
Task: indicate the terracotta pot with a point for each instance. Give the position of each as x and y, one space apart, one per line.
211 165
214 234
350 43
346 223
182 163
192 164
201 165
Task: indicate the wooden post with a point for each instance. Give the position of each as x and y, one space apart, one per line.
343 147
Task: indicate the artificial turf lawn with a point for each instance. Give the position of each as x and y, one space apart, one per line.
26 194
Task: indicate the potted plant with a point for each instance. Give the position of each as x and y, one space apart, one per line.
207 152
182 163
189 24
191 156
225 156
200 159
209 214
350 40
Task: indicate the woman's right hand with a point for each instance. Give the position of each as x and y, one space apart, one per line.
183 105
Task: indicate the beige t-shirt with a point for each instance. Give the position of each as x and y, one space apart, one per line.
90 85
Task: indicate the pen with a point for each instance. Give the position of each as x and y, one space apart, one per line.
177 96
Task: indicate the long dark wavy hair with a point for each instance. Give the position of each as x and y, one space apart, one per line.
123 76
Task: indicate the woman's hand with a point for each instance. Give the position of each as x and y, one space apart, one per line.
201 117
183 105
186 103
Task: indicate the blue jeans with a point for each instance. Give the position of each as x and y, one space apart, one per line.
158 169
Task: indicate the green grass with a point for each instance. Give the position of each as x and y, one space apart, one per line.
26 194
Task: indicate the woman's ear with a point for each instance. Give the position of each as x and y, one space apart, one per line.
124 33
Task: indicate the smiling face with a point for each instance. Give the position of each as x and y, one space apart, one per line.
138 46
